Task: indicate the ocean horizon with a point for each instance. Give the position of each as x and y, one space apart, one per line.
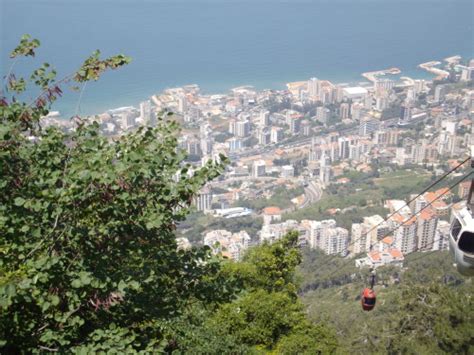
221 45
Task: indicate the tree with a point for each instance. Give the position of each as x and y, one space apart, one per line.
268 315
89 260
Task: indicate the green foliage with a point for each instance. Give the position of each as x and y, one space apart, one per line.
89 260
260 317
425 308
281 198
275 264
268 315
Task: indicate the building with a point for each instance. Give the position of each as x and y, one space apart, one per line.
365 235
324 169
467 73
305 128
405 236
440 93
322 114
242 128
263 136
264 118
368 125
463 191
271 214
276 134
314 88
326 236
376 258
234 144
272 232
231 245
182 104
344 111
258 168
287 171
426 229
203 200
355 93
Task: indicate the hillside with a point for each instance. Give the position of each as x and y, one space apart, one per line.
426 307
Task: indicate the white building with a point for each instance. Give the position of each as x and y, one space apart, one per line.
232 245
276 134
287 171
203 200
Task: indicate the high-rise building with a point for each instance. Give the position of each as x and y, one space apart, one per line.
295 125
440 92
203 199
356 110
324 169
426 229
127 120
258 168
305 128
326 236
182 104
368 233
467 73
234 144
322 114
264 118
263 136
147 116
313 88
193 146
405 235
344 110
276 134
242 128
405 112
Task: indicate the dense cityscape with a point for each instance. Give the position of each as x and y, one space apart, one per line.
290 150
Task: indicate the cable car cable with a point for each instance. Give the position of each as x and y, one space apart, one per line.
410 201
414 215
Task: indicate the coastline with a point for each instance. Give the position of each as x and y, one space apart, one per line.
95 105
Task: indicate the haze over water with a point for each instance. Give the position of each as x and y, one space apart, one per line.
223 44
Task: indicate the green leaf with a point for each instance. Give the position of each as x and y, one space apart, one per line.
19 201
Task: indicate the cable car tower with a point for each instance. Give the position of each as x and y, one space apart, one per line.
461 236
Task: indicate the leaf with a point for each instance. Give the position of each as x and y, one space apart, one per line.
19 201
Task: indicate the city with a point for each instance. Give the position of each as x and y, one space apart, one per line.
291 148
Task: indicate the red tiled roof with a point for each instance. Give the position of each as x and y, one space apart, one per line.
272 210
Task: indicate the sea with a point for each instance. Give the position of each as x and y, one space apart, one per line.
221 44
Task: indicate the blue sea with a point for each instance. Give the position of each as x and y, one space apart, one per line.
223 44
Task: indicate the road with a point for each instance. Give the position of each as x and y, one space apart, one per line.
312 193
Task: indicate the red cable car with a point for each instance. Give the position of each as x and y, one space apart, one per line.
368 299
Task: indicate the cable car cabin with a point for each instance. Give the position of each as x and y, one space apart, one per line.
368 299
461 241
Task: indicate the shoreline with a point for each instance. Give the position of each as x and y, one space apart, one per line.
366 79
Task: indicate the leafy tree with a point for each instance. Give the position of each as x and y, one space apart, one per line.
268 315
432 319
89 260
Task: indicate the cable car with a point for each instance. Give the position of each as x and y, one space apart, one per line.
368 299
461 234
461 241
